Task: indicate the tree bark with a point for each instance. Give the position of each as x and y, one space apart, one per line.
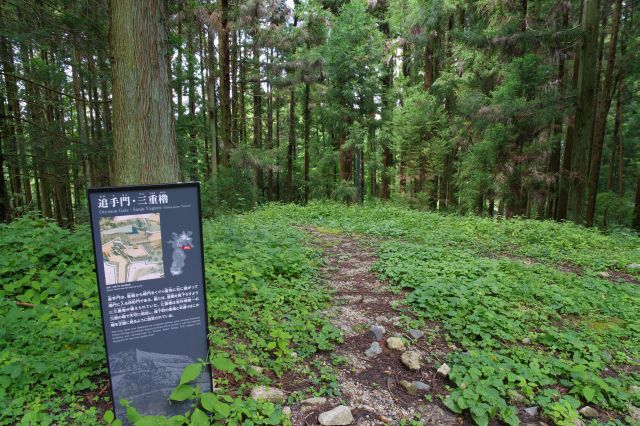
257 112
143 125
636 210
212 111
306 136
225 84
292 143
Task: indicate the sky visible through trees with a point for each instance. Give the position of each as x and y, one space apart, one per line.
512 108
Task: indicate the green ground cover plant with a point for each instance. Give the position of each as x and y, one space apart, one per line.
533 320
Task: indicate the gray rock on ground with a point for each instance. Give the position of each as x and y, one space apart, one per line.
421 386
635 413
341 415
411 359
269 394
409 387
374 350
588 412
444 370
531 411
395 343
633 266
416 334
311 403
376 332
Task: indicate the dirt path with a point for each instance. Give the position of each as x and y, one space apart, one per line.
370 385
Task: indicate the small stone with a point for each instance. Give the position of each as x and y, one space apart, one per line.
269 394
517 398
635 413
531 411
444 370
633 266
588 412
421 386
416 334
374 350
391 382
286 411
634 389
604 274
409 387
382 318
411 359
376 332
257 369
395 343
294 354
316 400
526 341
578 422
341 415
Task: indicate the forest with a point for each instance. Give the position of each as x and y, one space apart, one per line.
507 108
413 212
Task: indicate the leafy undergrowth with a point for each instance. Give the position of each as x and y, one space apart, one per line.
262 307
528 332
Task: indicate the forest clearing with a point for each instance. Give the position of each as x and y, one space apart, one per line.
529 316
402 211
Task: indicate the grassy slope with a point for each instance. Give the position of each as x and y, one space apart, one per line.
263 303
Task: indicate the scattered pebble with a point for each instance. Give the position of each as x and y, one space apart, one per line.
635 413
310 404
444 370
395 343
382 318
257 369
411 359
341 415
633 266
294 354
588 412
409 387
526 341
376 332
268 394
531 411
516 397
286 411
416 334
374 350
634 389
604 274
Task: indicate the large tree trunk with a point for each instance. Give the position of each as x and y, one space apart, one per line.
601 118
191 89
143 126
617 135
585 113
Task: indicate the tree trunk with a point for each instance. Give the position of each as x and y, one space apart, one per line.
292 143
143 126
585 113
307 133
617 135
193 134
212 111
225 84
257 112
601 118
636 210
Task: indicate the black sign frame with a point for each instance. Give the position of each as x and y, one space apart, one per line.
148 187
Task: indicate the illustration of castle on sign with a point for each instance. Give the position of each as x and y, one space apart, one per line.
180 244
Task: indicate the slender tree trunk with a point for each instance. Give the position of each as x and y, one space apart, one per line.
212 111
636 210
292 143
193 134
225 84
306 135
204 105
143 132
257 112
601 117
617 135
